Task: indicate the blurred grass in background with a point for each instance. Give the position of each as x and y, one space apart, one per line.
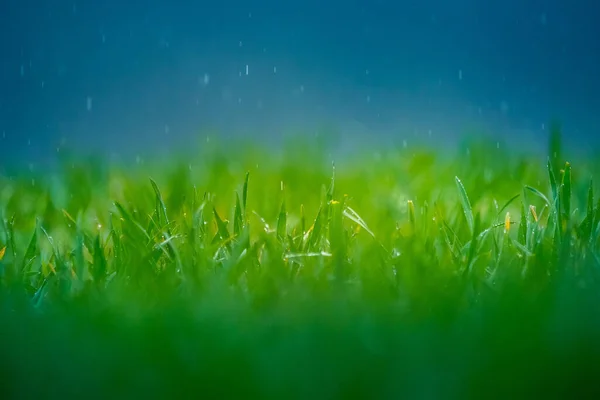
244 273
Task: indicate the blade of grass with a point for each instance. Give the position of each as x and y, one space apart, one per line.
238 221
161 208
282 223
222 231
466 204
566 194
245 193
354 217
508 203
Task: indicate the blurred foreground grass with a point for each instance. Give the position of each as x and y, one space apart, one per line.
248 274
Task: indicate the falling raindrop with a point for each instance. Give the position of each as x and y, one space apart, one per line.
204 80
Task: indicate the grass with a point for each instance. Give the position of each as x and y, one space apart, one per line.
249 274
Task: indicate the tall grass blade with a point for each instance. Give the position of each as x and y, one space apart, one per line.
566 194
238 219
466 204
245 193
282 222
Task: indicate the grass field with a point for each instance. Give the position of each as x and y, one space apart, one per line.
243 273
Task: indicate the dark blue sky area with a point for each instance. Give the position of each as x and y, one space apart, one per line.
134 76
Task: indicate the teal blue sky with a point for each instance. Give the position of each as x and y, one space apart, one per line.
138 76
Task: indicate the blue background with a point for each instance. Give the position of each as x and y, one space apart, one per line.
131 77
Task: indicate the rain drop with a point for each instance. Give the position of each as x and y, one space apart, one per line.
205 79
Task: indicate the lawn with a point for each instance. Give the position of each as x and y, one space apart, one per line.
244 272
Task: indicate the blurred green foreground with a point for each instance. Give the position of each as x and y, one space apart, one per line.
249 274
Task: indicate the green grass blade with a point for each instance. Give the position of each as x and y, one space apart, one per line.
161 208
354 217
566 194
32 249
337 239
315 234
539 194
466 204
238 221
553 184
508 203
331 189
282 222
245 192
522 234
222 231
473 245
